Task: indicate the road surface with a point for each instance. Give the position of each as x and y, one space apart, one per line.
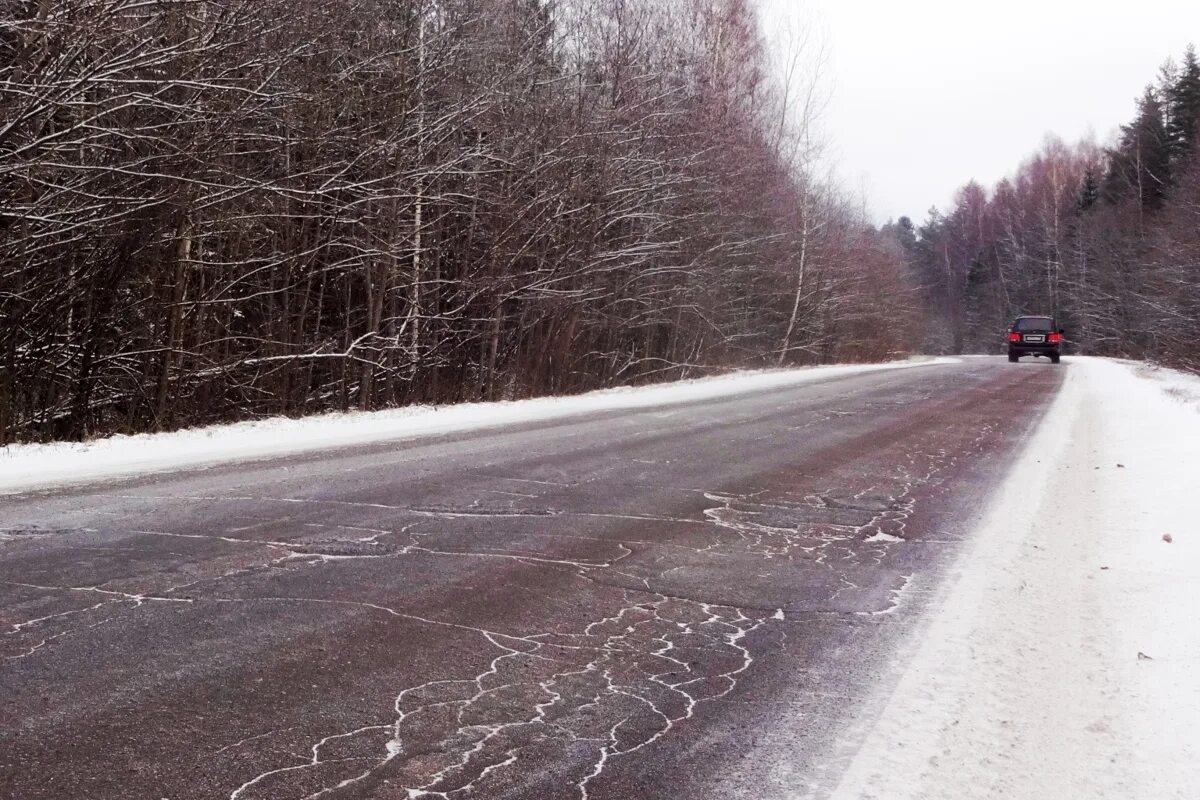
693 601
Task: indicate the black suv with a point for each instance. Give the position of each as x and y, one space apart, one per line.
1035 336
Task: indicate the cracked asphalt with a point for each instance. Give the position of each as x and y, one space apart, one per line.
693 601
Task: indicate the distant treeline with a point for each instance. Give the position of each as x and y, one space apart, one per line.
216 209
1106 238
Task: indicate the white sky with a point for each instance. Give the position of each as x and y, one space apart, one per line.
928 94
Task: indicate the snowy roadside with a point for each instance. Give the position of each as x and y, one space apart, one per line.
24 467
1063 657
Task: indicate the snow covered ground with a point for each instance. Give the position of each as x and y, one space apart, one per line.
1063 660
25 467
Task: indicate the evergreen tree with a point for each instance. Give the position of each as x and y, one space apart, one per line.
1140 166
1089 192
904 232
1183 106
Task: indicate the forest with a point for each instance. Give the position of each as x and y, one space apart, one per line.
214 210
1105 238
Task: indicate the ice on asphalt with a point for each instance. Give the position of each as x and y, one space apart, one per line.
33 466
1061 659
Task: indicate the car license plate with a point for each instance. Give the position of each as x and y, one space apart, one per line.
1035 338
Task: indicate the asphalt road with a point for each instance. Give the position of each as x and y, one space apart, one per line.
695 601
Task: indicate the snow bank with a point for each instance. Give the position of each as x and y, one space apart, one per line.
1063 660
24 467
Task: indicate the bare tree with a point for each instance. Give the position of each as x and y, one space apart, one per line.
214 209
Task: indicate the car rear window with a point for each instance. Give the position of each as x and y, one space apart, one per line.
1034 324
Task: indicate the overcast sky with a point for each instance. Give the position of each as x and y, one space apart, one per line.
927 94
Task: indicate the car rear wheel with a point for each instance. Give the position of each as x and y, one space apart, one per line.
1054 358
1013 358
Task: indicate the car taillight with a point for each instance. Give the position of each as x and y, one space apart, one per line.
1014 337
1054 338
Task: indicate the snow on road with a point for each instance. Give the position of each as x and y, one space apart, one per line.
1063 660
31 466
